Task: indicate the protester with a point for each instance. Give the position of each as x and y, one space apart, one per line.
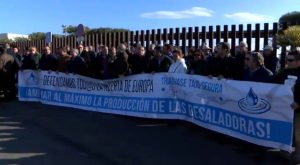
293 69
159 62
179 66
255 69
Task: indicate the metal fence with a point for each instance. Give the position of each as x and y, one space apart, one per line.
184 37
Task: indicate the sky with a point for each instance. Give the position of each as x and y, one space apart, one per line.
28 16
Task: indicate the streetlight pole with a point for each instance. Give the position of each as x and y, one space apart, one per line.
64 29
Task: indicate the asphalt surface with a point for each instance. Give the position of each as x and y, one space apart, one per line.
37 134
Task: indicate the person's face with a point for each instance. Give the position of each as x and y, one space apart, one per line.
80 48
141 51
197 56
249 62
105 50
243 48
73 53
113 51
15 50
157 53
47 50
291 62
32 50
267 52
176 56
220 51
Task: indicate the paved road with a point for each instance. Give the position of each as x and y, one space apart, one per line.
37 134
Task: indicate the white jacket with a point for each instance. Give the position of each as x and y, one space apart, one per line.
178 67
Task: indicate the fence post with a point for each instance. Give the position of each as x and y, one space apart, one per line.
241 33
266 34
183 38
153 37
177 37
257 37
218 34
165 35
171 36
249 36
203 35
233 38
159 36
210 36
143 38
197 38
225 33
190 37
147 38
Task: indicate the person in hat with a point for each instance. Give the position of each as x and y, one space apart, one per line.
206 51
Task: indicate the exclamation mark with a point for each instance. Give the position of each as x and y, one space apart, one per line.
268 128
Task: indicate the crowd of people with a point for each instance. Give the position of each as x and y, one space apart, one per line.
107 63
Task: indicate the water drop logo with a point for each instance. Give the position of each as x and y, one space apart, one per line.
32 79
253 104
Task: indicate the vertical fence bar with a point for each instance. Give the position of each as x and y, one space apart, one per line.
183 38
127 37
122 38
274 39
283 49
233 38
266 34
118 39
137 37
177 37
131 38
190 37
210 36
143 38
113 39
218 34
249 36
225 33
257 36
165 35
159 36
153 37
203 35
171 36
147 38
109 39
241 33
197 37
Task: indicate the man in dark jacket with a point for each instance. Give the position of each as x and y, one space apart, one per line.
222 64
293 68
159 62
255 69
48 61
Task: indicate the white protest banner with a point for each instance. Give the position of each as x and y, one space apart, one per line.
259 113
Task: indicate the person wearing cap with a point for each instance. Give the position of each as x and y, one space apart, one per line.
206 51
222 65
271 61
293 69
